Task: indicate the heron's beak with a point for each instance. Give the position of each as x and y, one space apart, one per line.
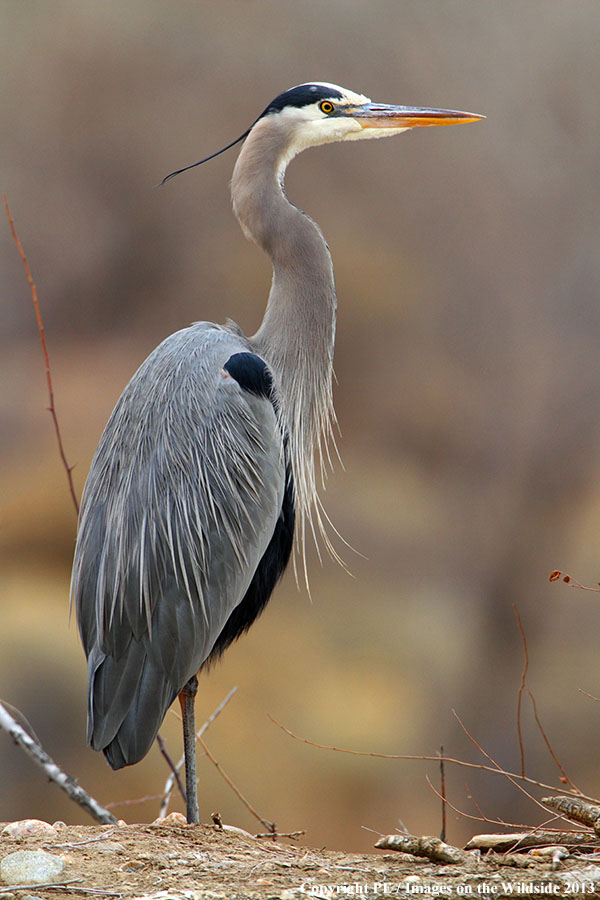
380 115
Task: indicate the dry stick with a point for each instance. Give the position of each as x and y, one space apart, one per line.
270 826
40 325
54 772
484 818
521 687
133 801
572 582
465 815
528 830
166 795
587 694
564 777
53 884
495 770
443 794
511 778
172 767
293 835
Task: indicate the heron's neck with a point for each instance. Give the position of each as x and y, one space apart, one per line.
297 334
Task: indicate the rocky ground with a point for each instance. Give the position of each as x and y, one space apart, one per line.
173 860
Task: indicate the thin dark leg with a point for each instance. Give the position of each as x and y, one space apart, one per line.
187 698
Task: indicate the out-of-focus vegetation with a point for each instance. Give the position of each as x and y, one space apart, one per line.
468 387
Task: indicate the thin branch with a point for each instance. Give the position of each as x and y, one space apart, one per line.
513 779
521 687
66 782
572 582
133 801
292 835
564 777
495 770
270 826
587 694
94 840
50 884
172 766
443 794
40 325
465 815
482 815
170 782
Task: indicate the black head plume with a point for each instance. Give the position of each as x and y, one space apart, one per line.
206 158
301 95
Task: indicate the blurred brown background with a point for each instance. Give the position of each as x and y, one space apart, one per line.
468 278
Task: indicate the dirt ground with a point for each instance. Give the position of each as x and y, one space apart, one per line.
188 862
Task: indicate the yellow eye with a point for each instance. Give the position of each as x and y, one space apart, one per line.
326 106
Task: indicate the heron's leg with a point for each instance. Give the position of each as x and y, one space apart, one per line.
187 699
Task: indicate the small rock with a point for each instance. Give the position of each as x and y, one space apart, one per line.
30 867
29 828
109 847
174 818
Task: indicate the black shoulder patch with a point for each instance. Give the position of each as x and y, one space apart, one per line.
251 373
302 95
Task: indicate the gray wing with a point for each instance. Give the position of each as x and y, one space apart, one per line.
182 498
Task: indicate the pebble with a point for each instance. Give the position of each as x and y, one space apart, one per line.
109 847
30 867
174 818
29 828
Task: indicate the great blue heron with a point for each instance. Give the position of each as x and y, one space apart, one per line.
207 466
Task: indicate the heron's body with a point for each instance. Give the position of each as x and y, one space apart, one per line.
167 573
211 453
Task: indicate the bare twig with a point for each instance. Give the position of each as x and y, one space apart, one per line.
521 687
495 769
511 778
465 815
470 796
572 582
172 766
49 884
563 775
133 801
587 694
54 772
293 835
40 325
170 782
270 826
94 840
443 794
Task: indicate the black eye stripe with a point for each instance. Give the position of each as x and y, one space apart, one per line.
303 95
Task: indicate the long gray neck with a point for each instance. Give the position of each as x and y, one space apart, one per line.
297 333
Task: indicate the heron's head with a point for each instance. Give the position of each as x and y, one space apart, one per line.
320 113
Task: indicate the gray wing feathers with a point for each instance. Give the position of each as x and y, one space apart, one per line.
179 506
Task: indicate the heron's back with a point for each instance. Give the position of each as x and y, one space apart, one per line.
181 504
